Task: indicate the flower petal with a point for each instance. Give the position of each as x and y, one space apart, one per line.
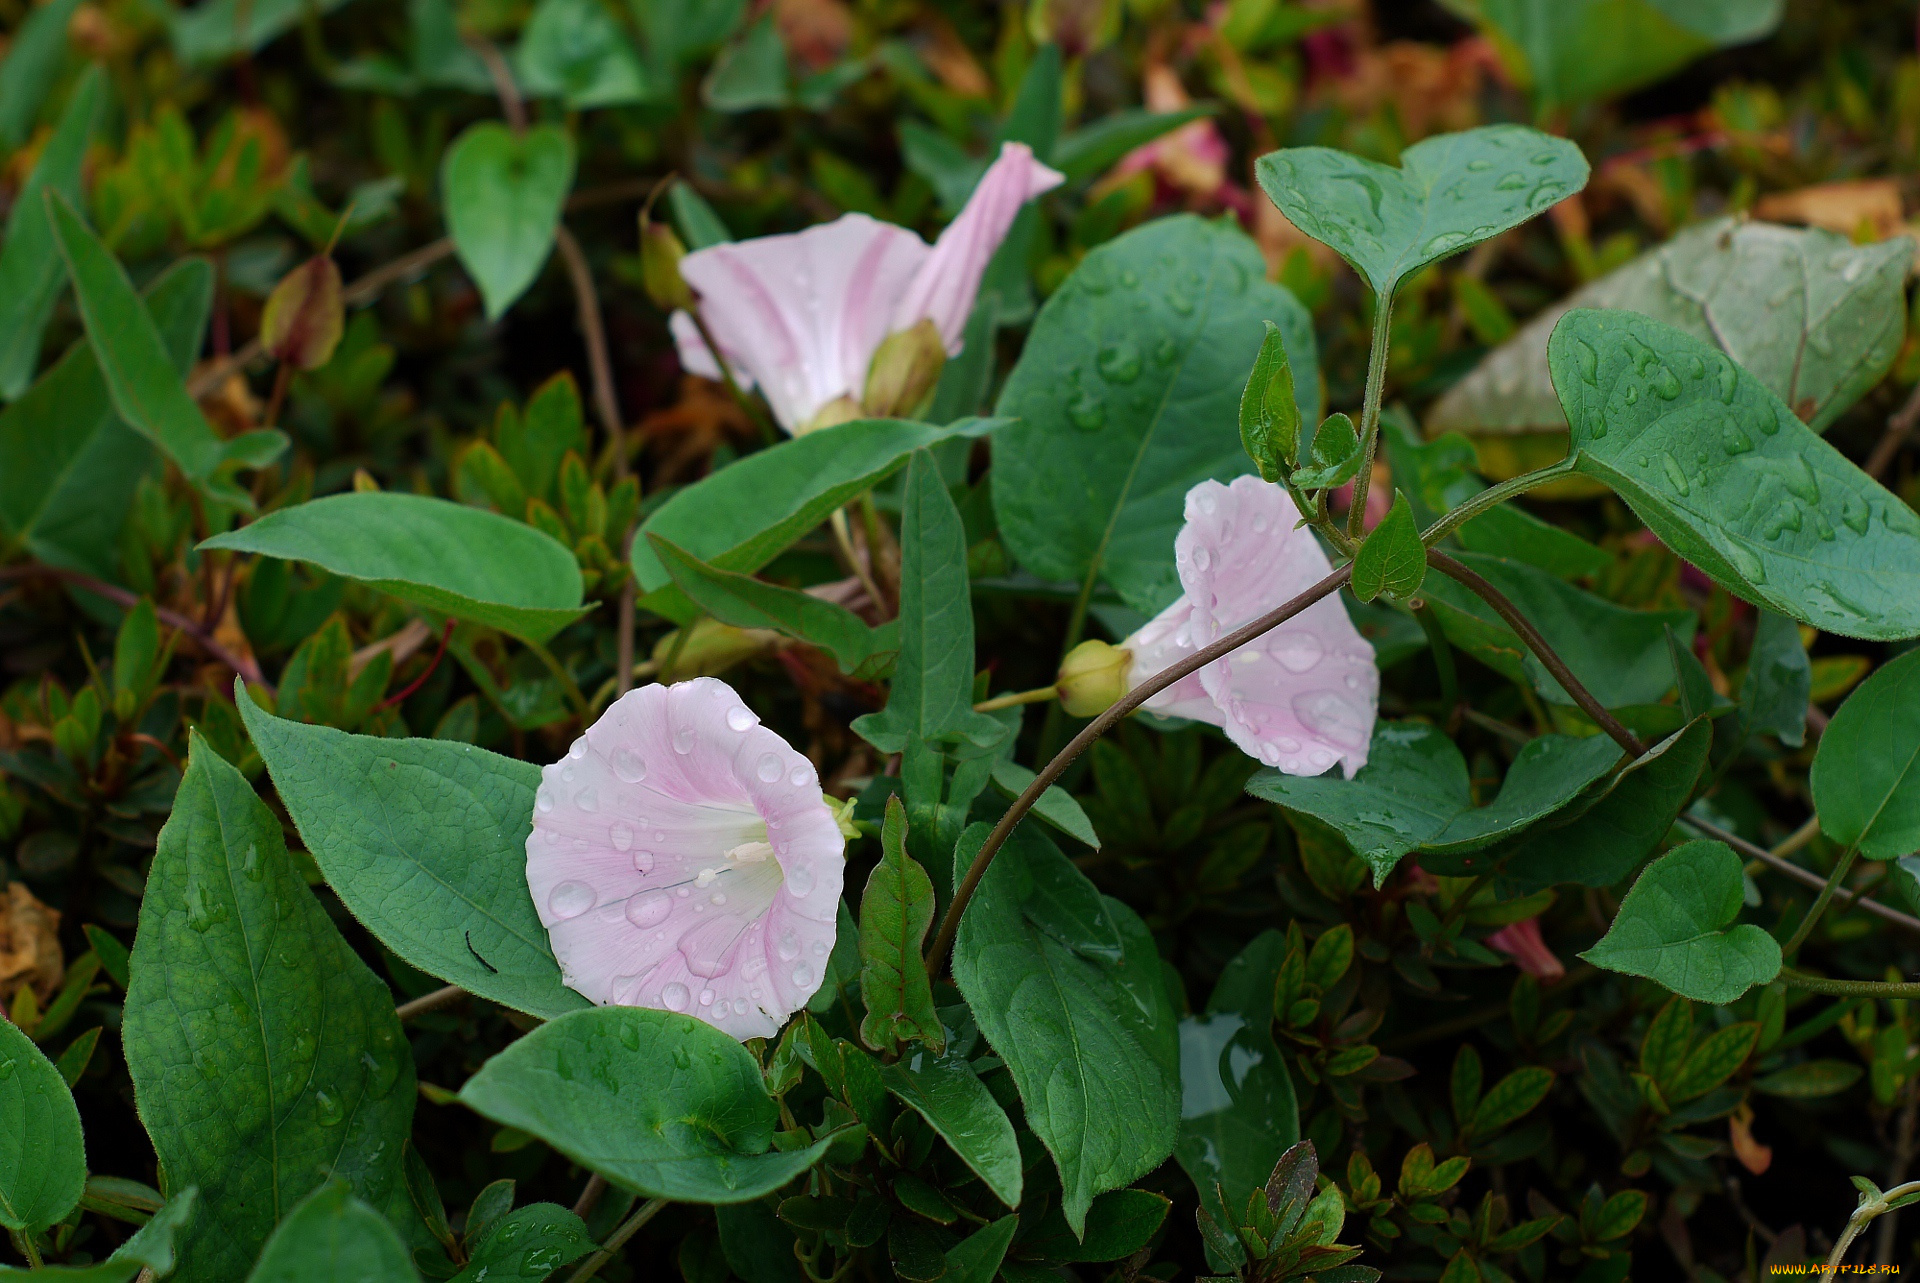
1522 942
801 314
1306 694
696 357
682 858
944 287
1160 643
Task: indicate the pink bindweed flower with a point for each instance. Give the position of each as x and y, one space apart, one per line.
682 857
1299 698
1521 941
802 314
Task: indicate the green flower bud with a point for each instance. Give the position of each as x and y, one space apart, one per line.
903 371
1092 677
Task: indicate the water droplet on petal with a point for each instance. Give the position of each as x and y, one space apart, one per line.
577 749
800 881
798 776
628 765
587 799
683 740
674 998
621 835
570 900
1202 559
706 997
738 718
788 945
543 799
1333 717
802 976
643 861
1298 650
769 768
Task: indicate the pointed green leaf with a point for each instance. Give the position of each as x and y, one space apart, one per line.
1779 681
1333 457
1392 562
329 1236
1731 480
746 602
460 561
751 73
529 1243
30 270
591 1084
1056 806
746 514
43 1158
265 1056
1450 192
150 1247
31 67
1866 776
976 1258
1269 415
946 1092
1675 926
425 842
1126 395
932 695
503 193
1092 1045
895 911
573 50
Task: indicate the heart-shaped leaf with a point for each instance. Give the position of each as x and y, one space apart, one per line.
460 561
1334 456
1676 927
1866 776
1450 191
1392 562
1731 480
503 193
43 1160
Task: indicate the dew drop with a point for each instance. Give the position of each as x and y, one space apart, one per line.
1297 650
1729 379
1119 363
1856 515
1511 182
1662 381
1202 559
621 835
819 948
587 799
706 997
570 900
802 976
543 799
250 863
1087 411
1633 394
683 740
1799 479
6 1069
800 881
674 997
628 765
788 945
1784 517
1736 441
1332 716
738 718
1676 476
328 1108
1588 361
577 749
768 768
798 776
1479 164
643 861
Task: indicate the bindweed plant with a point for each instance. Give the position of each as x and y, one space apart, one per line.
677 850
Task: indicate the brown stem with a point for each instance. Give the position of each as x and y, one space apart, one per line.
1542 651
1899 427
512 105
590 1196
1773 860
950 924
241 664
429 1002
282 377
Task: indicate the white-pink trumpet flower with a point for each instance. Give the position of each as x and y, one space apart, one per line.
1302 696
682 857
801 315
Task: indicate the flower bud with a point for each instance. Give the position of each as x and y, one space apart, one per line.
710 649
660 255
1092 677
305 315
840 410
904 370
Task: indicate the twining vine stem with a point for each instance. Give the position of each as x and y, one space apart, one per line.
1775 860
1848 988
1370 413
950 924
1870 1207
1820 901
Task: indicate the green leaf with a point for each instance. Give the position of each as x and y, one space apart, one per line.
746 514
590 1085
1094 148
140 373
1712 1062
976 1258
1619 654
30 273
1126 396
329 1236
69 464
1810 1079
32 65
1333 457
218 29
1599 844
1092 1045
895 911
1675 927
1511 1099
1814 317
1238 1112
1056 806
43 1157
150 1247
746 602
1413 794
1578 51
751 73
931 699
265 1056
1118 1224
1269 414
1392 562
700 227
1866 775
448 557
573 50
503 193
425 842
530 1243
1450 191
1773 697
946 1092
1663 1049
1731 480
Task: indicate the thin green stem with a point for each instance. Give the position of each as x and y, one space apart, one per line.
1370 412
1848 988
1806 926
28 1248
618 1239
768 432
1869 1208
1493 497
1465 898
568 687
1038 695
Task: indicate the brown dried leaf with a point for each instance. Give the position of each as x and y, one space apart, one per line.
29 946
